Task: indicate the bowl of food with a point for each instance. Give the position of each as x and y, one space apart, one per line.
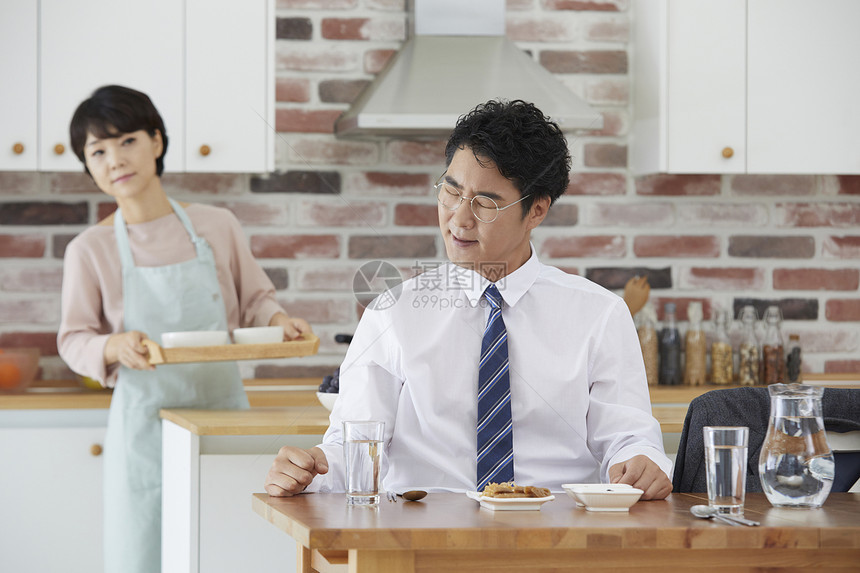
258 335
194 338
18 367
603 497
327 392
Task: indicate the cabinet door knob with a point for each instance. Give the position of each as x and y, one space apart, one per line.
18 148
96 449
205 150
728 152
59 149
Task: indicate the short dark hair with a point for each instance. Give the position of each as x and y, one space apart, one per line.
528 148
112 111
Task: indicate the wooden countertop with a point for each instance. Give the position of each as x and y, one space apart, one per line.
293 420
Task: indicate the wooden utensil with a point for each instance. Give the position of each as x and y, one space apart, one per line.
307 345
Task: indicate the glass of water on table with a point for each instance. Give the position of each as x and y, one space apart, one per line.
362 451
726 467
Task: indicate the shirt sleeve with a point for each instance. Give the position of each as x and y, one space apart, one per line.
620 424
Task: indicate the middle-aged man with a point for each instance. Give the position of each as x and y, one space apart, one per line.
494 367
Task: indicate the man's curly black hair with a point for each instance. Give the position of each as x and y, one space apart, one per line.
527 147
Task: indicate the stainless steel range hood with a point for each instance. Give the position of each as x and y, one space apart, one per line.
456 58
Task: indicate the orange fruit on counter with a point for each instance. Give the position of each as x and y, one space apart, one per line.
10 376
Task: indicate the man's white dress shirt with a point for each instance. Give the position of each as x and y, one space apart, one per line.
579 396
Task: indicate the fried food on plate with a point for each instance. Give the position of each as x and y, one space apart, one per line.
510 489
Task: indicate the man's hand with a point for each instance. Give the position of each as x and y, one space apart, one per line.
127 349
293 470
641 472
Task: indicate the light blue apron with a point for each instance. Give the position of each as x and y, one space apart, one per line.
178 297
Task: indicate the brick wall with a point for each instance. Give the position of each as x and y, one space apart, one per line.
332 205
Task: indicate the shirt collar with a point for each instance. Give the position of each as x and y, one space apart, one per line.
512 286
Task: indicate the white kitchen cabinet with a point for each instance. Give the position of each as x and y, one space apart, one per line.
51 491
19 27
206 65
745 86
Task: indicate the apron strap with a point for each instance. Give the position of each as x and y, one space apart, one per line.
122 242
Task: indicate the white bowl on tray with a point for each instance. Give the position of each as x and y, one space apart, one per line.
194 338
603 496
258 335
327 399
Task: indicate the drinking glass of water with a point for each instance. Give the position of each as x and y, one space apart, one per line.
362 452
726 466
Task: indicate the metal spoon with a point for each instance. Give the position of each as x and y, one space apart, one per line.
413 495
707 512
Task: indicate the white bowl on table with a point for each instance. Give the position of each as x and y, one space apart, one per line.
603 496
194 338
259 335
327 399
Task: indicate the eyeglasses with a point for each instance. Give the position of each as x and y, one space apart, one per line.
485 209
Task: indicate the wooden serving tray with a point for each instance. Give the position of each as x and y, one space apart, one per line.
306 346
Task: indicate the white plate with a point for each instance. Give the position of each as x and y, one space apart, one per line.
509 503
603 497
327 399
258 335
194 338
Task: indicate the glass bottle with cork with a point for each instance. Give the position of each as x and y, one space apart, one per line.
750 357
722 366
670 349
773 353
646 320
695 346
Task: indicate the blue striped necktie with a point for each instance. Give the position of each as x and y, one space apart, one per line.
495 432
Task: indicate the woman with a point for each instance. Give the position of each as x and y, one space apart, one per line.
154 266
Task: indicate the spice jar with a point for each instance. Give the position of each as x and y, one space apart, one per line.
647 331
722 368
748 374
793 360
670 349
696 347
773 365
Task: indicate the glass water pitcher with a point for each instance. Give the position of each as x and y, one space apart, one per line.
796 465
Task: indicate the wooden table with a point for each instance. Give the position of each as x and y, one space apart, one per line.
449 532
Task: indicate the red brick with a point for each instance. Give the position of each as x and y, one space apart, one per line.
314 58
524 29
321 311
29 311
18 182
816 279
334 279
104 209
396 184
410 215
773 184
46 342
849 184
379 30
26 213
584 5
392 246
722 278
306 121
293 29
841 366
605 155
584 62
208 183
298 181
417 153
59 242
614 123
327 152
759 246
842 310
69 182
341 213
597 184
279 277
22 246
258 214
341 91
375 60
562 215
630 214
316 4
604 246
818 214
292 90
681 306
723 214
676 246
677 185
38 279
295 246
609 31
842 247
608 91
830 340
